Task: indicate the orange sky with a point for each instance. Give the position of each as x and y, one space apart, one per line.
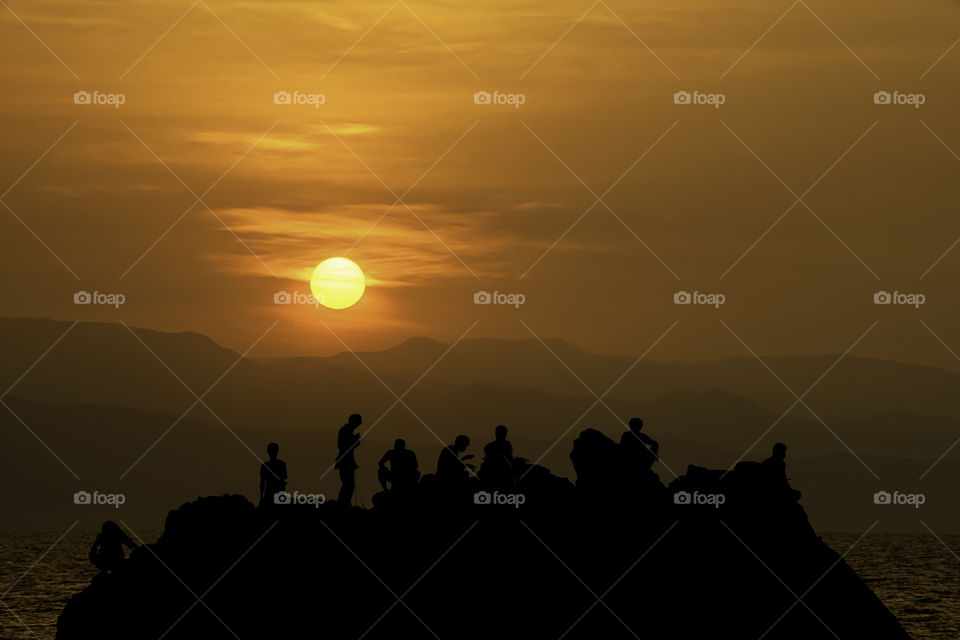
487 190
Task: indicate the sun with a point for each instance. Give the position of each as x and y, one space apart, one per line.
337 283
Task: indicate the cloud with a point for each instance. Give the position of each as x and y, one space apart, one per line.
394 249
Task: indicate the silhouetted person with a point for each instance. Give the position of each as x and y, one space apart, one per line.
107 553
639 449
452 465
347 442
498 459
404 470
775 467
273 475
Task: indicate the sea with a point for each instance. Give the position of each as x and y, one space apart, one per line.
916 576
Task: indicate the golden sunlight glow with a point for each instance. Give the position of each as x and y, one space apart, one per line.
337 283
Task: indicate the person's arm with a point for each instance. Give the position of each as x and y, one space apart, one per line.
128 542
383 461
263 482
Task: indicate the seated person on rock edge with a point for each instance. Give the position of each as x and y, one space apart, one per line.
404 470
107 553
774 471
639 449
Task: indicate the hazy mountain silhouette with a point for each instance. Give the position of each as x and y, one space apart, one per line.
93 364
100 390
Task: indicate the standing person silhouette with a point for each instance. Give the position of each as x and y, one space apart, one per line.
106 553
273 476
346 462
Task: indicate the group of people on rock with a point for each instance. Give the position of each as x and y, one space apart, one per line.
398 470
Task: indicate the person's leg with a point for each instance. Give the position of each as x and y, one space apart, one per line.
383 475
347 485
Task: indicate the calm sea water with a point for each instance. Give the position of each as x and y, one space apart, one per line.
915 575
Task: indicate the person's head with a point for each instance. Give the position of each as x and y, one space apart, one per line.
111 528
780 451
354 420
636 424
273 449
399 443
461 443
500 432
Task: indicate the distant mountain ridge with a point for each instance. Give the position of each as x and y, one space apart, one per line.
101 363
100 392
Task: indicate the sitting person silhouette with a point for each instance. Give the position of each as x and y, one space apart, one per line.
498 460
106 553
273 476
639 449
452 466
775 467
773 470
404 470
346 464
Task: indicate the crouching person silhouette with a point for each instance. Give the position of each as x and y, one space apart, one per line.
452 465
107 552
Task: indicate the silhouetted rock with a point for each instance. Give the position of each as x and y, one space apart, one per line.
713 556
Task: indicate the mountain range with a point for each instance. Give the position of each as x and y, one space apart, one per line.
107 392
